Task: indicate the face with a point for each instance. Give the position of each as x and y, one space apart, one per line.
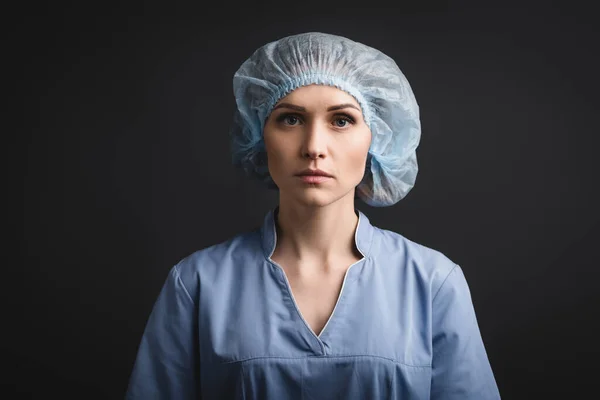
317 127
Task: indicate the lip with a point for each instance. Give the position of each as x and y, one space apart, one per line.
314 172
314 178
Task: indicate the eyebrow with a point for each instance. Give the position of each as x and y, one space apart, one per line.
299 108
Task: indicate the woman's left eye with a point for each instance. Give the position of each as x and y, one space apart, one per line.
344 120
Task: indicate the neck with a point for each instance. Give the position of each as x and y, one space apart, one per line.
321 238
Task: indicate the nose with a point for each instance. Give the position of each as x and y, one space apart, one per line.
314 144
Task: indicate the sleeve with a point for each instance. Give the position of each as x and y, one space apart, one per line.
167 362
460 366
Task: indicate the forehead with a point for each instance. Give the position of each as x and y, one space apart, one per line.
318 96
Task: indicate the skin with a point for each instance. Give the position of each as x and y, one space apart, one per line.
316 222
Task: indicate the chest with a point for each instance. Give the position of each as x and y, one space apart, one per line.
352 334
269 311
316 297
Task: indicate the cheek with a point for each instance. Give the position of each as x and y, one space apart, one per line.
277 153
356 156
360 148
275 149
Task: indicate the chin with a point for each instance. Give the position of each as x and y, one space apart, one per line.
315 197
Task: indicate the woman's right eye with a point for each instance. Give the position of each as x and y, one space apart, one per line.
288 119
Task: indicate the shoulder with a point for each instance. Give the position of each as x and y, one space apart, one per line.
211 262
428 265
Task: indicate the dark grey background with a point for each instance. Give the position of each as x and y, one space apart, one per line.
127 171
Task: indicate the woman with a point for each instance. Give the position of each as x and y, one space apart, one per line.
317 303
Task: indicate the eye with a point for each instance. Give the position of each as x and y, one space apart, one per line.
288 119
342 121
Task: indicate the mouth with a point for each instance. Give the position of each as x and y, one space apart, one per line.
314 172
314 178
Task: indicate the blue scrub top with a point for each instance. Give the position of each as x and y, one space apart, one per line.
226 326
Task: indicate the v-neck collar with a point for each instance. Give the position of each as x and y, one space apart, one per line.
363 236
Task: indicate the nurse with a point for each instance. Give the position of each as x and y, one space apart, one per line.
318 303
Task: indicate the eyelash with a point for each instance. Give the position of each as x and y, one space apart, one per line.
345 117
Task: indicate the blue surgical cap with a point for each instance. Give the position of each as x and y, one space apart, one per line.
388 105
